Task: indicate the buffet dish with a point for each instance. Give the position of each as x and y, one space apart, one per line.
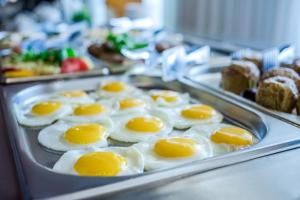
142 130
275 90
25 66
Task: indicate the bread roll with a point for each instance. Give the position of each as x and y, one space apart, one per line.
239 76
277 93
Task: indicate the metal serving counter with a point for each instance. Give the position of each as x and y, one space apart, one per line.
270 177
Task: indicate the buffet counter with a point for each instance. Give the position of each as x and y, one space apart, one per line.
272 177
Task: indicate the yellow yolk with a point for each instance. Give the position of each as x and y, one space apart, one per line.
198 112
89 109
145 124
73 94
233 136
175 147
114 86
99 164
165 95
84 134
45 108
130 103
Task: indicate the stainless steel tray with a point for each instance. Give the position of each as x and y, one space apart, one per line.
211 78
38 181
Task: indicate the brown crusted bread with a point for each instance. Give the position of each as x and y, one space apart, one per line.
277 93
239 76
298 105
296 65
105 53
286 72
256 58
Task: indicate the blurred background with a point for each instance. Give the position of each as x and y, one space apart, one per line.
252 23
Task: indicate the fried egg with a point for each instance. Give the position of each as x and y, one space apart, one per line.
73 97
168 98
224 137
137 127
64 136
41 113
115 89
91 112
110 161
194 114
170 151
129 105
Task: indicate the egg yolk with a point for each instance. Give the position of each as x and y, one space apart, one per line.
233 136
89 109
114 86
145 124
198 112
84 134
100 164
130 103
73 94
176 147
45 108
165 95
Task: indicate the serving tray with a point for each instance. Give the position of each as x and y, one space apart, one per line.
211 78
34 163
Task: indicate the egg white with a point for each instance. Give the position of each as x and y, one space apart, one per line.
73 100
128 111
182 99
51 137
25 117
91 118
128 92
134 160
181 122
121 133
156 162
206 130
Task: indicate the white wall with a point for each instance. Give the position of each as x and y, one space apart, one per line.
256 23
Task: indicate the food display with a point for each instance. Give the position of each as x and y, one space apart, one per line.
110 50
52 61
277 89
119 129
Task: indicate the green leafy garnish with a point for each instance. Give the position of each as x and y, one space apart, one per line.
120 41
54 56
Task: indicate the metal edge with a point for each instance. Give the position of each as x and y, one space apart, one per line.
15 152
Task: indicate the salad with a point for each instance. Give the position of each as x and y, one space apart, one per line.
52 61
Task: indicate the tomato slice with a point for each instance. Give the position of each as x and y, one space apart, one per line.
70 65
